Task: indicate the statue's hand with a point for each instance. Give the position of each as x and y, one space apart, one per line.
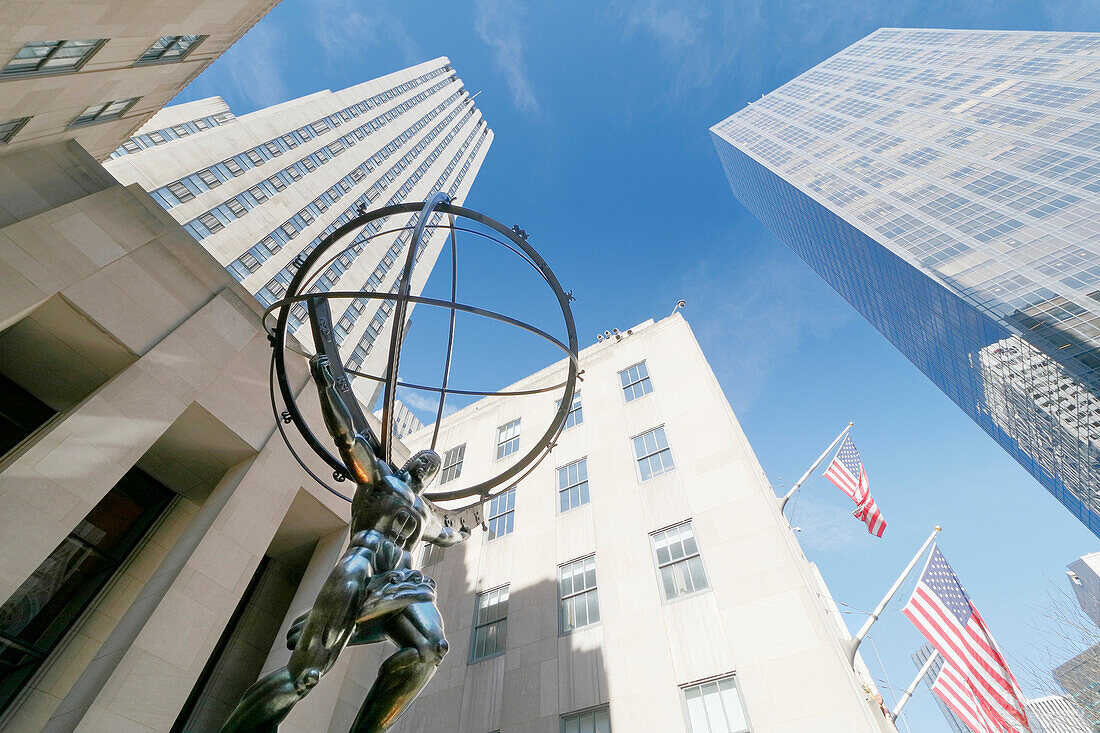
394 590
319 367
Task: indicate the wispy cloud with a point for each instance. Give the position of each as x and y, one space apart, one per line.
498 24
825 526
254 65
755 313
423 405
345 30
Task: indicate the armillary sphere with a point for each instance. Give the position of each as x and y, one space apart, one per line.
435 213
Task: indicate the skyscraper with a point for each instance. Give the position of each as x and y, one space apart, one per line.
920 656
261 190
944 183
1055 714
94 73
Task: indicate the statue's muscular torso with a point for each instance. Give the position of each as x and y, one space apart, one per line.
389 507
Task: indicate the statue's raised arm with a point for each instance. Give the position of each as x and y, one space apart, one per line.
364 466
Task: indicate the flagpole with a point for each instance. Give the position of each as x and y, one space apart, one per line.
783 501
854 643
913 687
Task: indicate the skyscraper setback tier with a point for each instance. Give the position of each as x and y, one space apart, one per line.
944 183
260 191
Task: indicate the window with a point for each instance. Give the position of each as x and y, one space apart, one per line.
490 624
715 707
35 618
452 464
653 454
8 128
169 48
635 381
431 555
51 56
592 721
573 485
678 562
580 603
502 509
508 439
103 112
207 176
211 222
575 416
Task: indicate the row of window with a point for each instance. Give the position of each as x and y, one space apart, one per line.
650 448
194 184
676 559
57 57
714 706
165 134
66 56
238 206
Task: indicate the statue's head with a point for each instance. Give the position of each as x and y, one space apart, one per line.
421 469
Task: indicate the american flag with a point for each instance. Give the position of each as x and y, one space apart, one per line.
959 695
943 612
846 471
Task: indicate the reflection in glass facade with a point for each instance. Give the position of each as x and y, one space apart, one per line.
945 184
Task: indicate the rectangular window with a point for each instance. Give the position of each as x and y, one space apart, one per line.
508 439
211 222
255 157
180 191
573 485
580 603
678 562
258 193
592 721
169 48
716 707
452 464
207 176
653 454
635 382
502 510
35 618
236 207
233 167
490 625
104 111
575 416
51 56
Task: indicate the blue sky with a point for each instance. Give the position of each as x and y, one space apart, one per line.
602 153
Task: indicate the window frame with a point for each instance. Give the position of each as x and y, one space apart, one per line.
574 593
443 478
563 718
561 490
623 387
497 456
19 124
706 681
39 71
98 118
142 61
576 407
475 626
657 566
489 536
638 459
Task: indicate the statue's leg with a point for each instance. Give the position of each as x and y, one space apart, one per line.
418 630
326 631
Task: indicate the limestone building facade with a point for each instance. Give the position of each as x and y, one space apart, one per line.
261 190
94 72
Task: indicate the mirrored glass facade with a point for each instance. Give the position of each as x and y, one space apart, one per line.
945 184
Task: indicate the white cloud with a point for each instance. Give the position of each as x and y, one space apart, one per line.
755 313
498 24
254 65
345 32
423 404
826 526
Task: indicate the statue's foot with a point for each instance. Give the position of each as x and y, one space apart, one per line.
307 680
395 590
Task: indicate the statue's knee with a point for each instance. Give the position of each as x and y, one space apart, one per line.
306 681
436 650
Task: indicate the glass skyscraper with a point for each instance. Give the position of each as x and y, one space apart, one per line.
945 184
